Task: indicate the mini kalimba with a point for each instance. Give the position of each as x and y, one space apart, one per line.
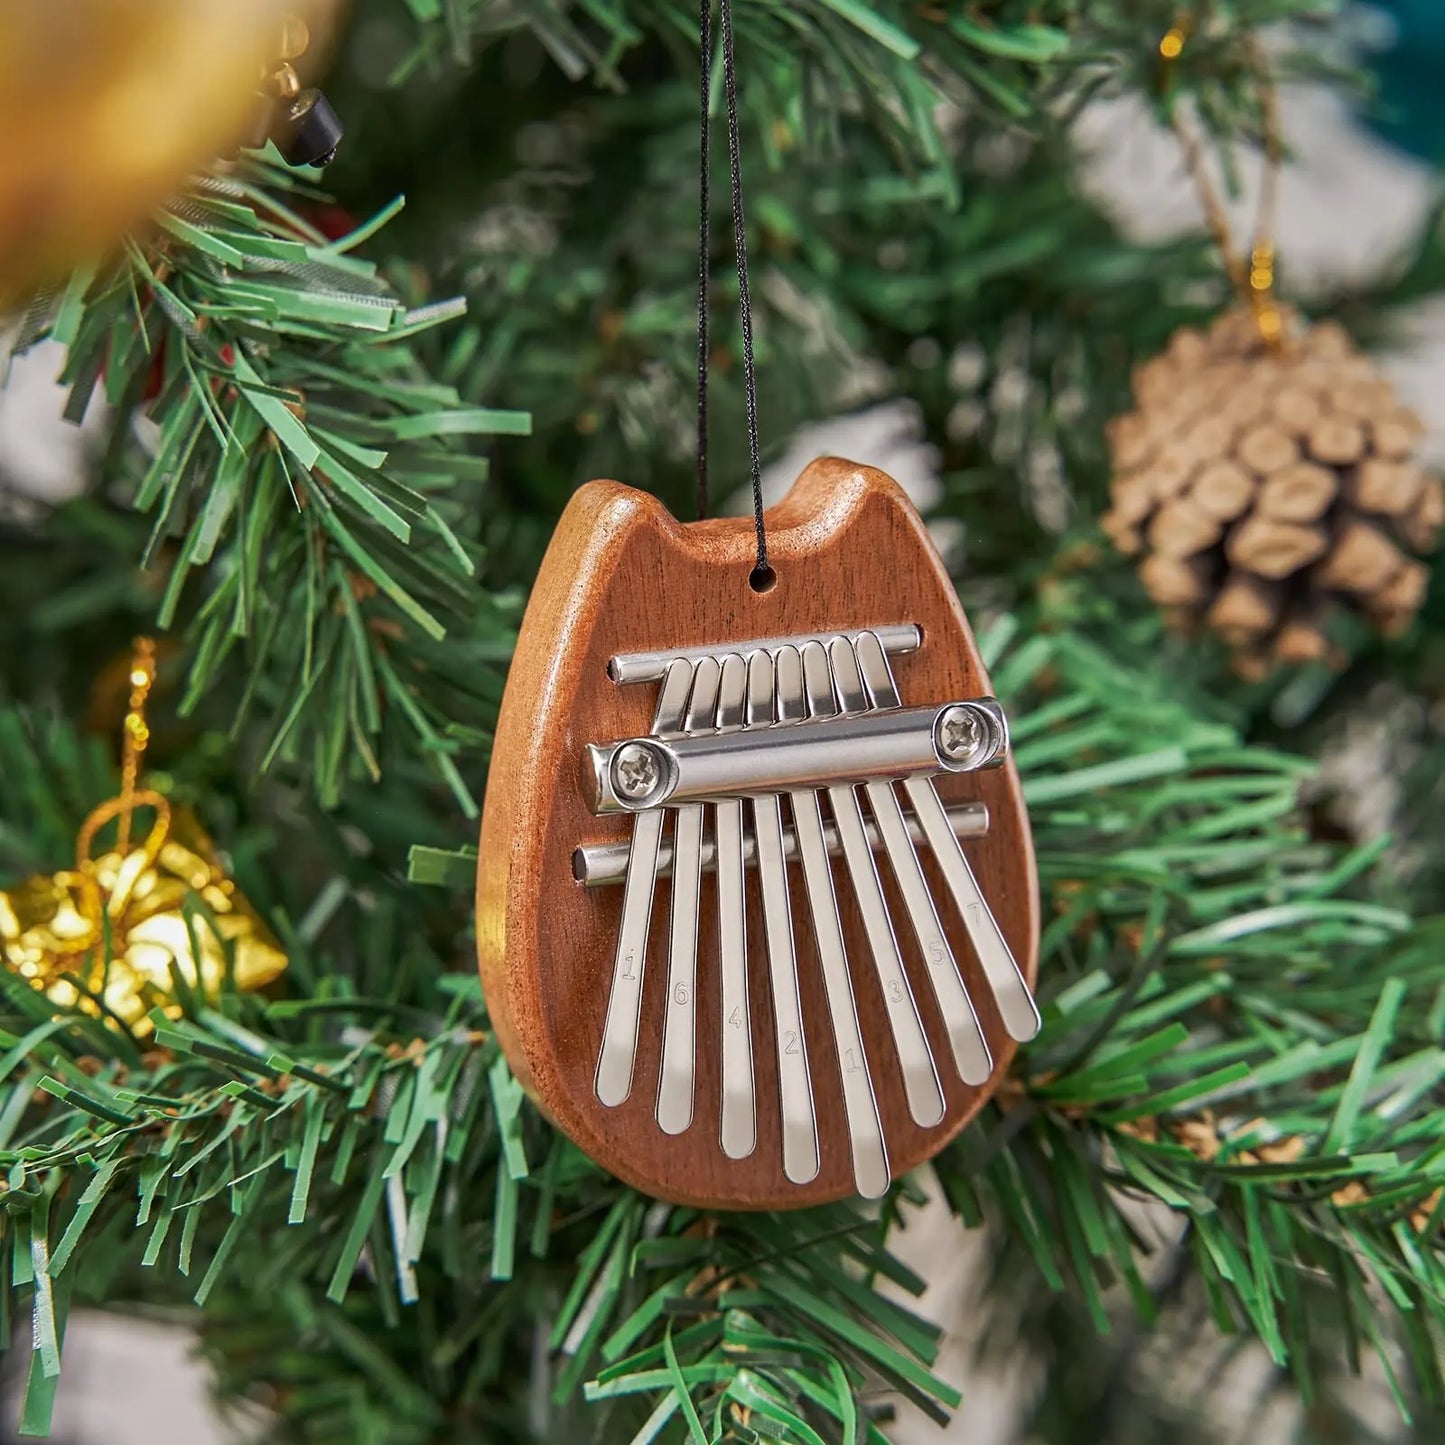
756 903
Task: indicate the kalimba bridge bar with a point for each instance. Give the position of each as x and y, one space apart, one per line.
812 725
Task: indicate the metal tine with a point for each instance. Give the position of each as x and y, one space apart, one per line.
738 1131
624 1004
800 1124
1015 1004
870 1156
679 1026
970 1049
920 1076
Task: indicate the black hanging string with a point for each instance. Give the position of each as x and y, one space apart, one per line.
762 574
704 270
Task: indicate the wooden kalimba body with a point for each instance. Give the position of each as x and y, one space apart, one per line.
755 870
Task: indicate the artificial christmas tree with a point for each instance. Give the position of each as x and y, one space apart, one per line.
327 463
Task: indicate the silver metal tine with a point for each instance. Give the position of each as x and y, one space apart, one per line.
800 1125
1015 1005
679 1028
920 1077
970 1049
624 1003
870 1157
738 1129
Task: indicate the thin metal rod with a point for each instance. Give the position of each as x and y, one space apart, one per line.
624 1003
679 1020
629 667
737 1126
795 1085
604 865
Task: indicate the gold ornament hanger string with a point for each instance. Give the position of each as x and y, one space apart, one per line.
136 735
137 732
1251 274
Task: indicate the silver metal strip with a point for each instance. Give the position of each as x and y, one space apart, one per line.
738 1133
1015 1004
970 1049
915 1058
795 1086
604 865
624 1004
635 774
629 667
675 1078
870 1157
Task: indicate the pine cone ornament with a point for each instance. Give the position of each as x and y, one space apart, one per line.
1264 485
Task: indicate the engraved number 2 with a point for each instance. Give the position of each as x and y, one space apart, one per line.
790 1041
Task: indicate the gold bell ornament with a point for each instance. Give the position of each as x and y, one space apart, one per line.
130 927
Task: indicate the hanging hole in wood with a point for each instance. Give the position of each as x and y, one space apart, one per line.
762 579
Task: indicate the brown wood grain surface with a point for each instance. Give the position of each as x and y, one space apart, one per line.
622 575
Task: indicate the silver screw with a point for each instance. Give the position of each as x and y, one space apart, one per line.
962 735
636 775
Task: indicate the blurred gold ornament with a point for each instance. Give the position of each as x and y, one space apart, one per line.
106 105
120 933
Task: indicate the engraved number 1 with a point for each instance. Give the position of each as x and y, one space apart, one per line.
852 1062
